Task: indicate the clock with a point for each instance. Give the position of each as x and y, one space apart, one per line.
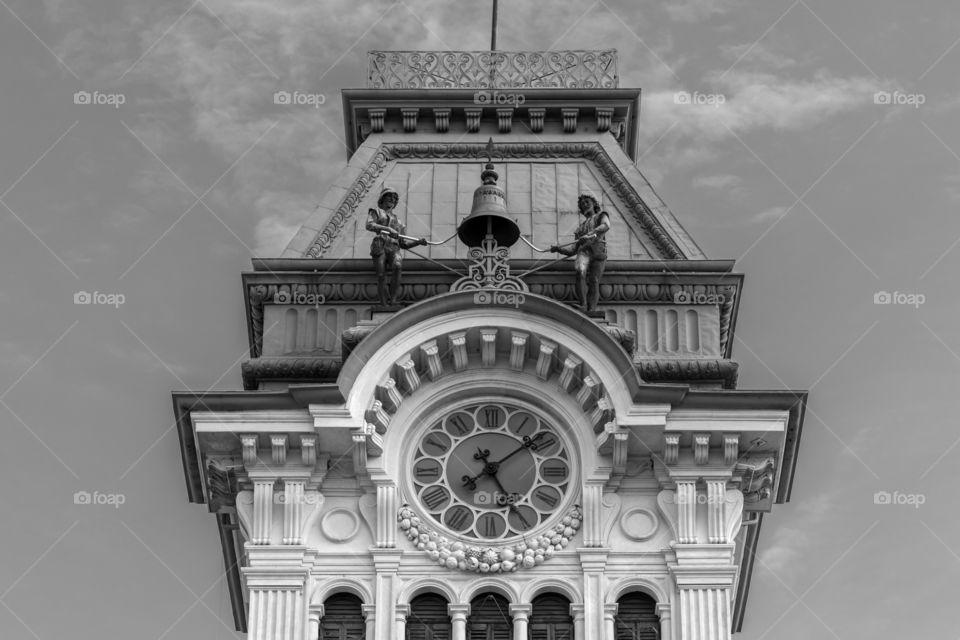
491 471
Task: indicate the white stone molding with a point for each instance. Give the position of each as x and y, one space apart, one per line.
412 588
244 504
378 416
458 349
545 359
592 514
441 119
536 115
325 587
665 613
400 620
389 395
609 619
410 115
308 450
593 562
518 349
370 617
701 448
333 534
639 523
589 392
716 511
546 584
671 448
248 443
509 589
704 576
277 601
610 505
488 347
570 374
505 119
431 358
278 449
577 613
731 448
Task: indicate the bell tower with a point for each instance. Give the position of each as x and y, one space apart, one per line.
542 435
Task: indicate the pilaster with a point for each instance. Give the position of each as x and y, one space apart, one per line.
458 619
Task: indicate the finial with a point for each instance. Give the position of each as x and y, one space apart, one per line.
490 150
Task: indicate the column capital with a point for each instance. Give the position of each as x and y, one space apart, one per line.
402 611
521 611
369 611
664 609
610 609
315 612
576 610
458 611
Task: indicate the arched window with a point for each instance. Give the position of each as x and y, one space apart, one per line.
550 618
637 617
342 618
428 618
489 618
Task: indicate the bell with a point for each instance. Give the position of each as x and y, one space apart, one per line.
488 216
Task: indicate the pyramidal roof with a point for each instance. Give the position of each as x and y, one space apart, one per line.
426 137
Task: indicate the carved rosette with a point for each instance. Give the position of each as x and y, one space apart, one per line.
454 554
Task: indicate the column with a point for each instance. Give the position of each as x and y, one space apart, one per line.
716 521
262 510
705 614
316 613
593 563
277 604
576 610
521 616
609 623
704 576
370 617
664 611
458 618
386 562
687 511
292 510
400 621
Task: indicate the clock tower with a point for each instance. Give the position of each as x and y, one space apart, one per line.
490 392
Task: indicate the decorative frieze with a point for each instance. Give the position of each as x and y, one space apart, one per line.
441 119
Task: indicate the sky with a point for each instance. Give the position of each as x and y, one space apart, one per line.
820 149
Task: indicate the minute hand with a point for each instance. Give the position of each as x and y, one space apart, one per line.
527 443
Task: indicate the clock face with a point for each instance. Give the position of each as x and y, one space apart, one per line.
491 471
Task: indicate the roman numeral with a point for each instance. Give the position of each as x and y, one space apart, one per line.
550 499
554 471
490 417
426 472
526 419
457 517
434 497
434 443
459 424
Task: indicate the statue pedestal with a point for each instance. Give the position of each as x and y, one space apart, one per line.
380 313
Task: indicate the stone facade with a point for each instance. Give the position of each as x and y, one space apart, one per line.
646 520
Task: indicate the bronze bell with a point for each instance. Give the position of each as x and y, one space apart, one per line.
488 216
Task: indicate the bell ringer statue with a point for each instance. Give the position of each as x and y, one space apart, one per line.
388 240
590 249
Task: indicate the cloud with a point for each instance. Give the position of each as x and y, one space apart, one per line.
697 10
768 215
722 181
791 543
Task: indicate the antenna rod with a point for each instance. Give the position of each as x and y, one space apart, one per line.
493 28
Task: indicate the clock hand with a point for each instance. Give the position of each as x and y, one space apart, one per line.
481 454
528 442
513 508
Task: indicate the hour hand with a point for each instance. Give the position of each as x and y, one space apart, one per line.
470 483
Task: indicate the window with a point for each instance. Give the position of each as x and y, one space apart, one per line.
342 618
550 618
428 619
637 618
489 618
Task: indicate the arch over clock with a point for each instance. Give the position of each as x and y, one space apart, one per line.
393 341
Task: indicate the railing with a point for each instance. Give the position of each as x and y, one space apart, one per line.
492 69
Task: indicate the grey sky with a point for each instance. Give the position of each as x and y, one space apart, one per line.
824 197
